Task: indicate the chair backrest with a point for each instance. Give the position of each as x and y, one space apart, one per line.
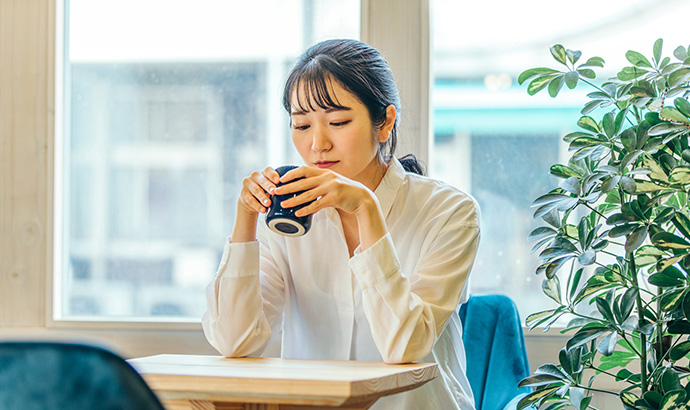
67 376
495 348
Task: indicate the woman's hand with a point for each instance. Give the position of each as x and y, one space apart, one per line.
254 199
324 189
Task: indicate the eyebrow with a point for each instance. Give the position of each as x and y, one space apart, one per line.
300 111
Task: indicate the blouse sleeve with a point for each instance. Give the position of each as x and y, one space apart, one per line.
407 312
244 301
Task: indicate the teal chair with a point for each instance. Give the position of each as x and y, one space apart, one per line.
495 349
69 376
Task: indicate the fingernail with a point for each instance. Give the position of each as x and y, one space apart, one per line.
266 202
271 190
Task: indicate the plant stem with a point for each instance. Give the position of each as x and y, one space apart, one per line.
643 337
594 210
607 373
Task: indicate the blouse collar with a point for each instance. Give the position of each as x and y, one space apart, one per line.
390 185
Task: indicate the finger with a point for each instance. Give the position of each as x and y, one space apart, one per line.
271 175
257 193
301 172
265 179
314 207
304 198
307 182
249 201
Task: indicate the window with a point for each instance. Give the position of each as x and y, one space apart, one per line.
495 141
166 106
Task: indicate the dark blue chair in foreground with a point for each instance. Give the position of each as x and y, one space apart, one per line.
495 348
67 376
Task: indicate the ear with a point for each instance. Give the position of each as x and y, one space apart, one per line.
387 127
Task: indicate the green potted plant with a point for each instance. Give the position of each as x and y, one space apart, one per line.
615 246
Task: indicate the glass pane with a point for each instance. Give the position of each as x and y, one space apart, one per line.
494 140
168 105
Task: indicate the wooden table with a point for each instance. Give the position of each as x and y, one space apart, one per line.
215 382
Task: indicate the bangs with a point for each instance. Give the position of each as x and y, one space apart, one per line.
313 90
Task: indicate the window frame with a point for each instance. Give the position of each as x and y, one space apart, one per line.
31 58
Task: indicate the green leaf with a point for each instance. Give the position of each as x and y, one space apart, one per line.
671 113
679 76
679 351
665 128
653 398
664 280
631 73
683 106
552 288
536 397
551 369
627 303
591 106
608 344
636 238
558 52
682 223
642 187
658 45
680 53
628 399
671 299
686 305
539 84
617 359
586 335
539 316
622 230
665 240
575 282
670 381
609 126
680 175
539 380
571 78
672 399
572 185
534 71
643 89
563 171
637 59
541 233
589 124
593 62
556 84
587 258
573 56
679 327
587 73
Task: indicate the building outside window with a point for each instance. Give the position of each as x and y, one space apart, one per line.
167 106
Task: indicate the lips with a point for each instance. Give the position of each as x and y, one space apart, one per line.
325 164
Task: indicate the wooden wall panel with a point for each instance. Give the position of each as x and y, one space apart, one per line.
26 135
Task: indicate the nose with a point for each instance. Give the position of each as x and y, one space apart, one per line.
321 140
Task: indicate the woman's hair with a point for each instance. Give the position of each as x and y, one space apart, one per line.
360 69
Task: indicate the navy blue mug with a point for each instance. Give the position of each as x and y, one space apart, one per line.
283 220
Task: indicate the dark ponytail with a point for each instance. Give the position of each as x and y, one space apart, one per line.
360 69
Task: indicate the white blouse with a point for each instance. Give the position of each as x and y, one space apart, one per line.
396 301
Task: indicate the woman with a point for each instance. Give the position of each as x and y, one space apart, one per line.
385 265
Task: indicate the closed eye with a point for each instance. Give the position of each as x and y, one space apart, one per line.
300 127
340 123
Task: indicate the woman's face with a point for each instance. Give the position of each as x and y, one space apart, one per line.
340 139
